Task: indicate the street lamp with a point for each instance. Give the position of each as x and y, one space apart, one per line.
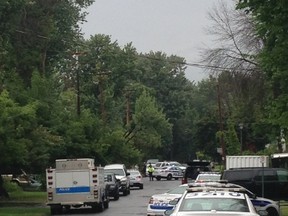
241 141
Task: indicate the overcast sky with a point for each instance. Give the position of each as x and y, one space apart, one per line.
175 27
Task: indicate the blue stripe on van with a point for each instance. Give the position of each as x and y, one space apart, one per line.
71 190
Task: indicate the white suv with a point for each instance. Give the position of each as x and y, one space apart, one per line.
122 175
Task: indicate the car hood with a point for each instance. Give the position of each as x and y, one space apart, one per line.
120 177
165 198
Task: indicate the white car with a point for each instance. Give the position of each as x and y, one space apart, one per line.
208 176
136 179
169 163
168 173
159 203
205 201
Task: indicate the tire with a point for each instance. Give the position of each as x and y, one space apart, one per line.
125 192
169 177
100 207
158 178
141 186
116 196
55 209
272 212
106 203
176 178
128 191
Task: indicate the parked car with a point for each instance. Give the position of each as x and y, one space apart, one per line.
113 185
170 163
122 175
159 203
260 203
27 182
168 172
275 181
208 176
136 179
194 168
220 201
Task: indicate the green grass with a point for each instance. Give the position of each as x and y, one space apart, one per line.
35 196
24 203
24 211
284 210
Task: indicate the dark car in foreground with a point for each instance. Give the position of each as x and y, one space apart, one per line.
112 185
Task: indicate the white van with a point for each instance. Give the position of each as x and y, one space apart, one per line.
122 175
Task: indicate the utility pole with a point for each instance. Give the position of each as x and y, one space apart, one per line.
223 147
76 54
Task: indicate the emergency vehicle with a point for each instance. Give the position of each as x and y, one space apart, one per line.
76 183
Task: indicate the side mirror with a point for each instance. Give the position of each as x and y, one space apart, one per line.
174 201
168 212
262 213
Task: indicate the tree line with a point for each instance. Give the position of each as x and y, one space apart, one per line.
63 96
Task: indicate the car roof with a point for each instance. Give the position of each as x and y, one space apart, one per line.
114 166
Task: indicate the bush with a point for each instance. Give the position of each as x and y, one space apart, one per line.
11 186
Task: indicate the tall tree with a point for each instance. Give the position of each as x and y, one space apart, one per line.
271 18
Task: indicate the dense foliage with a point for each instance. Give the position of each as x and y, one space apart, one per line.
62 96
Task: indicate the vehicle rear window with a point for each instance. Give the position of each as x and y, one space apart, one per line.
269 175
238 175
282 175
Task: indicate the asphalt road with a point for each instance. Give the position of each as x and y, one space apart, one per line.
134 204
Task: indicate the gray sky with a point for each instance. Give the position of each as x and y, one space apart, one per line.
171 26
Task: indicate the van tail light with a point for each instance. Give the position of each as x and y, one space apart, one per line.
50 196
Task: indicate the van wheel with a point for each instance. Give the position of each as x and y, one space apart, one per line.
158 178
272 212
55 209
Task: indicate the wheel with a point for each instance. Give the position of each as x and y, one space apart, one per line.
272 212
125 192
169 177
128 191
141 186
106 203
55 209
176 178
158 178
116 196
100 207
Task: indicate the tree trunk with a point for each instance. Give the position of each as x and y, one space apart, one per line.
3 192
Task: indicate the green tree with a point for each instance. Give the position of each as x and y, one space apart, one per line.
271 18
152 131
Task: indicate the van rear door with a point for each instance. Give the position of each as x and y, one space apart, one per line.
72 182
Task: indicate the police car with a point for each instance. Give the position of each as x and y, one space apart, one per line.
168 172
159 203
213 200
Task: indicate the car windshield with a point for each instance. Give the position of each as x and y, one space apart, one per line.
177 190
117 171
175 164
134 173
219 204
